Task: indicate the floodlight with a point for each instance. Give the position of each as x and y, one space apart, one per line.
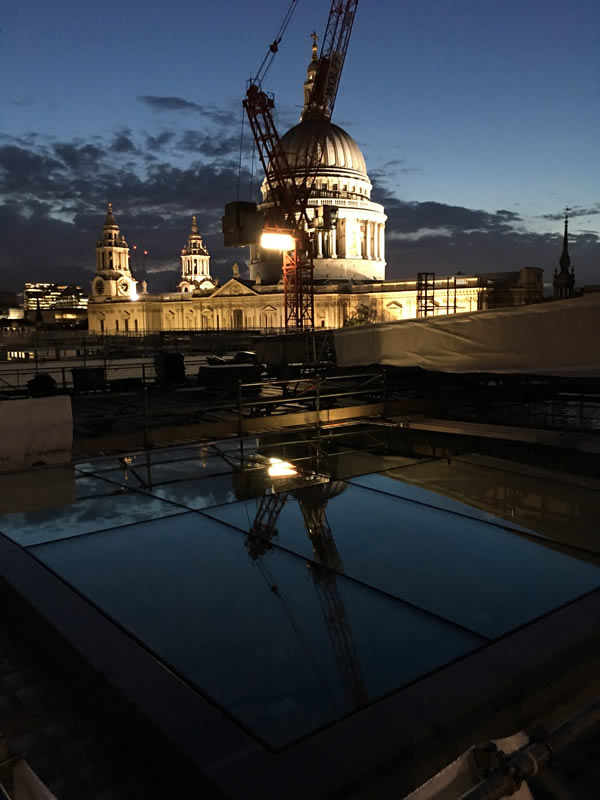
277 241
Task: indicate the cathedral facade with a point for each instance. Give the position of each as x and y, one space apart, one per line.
349 263
120 305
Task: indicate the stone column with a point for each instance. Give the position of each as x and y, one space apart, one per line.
368 239
376 241
381 242
320 244
333 242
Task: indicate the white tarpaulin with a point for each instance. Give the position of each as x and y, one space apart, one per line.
554 338
35 431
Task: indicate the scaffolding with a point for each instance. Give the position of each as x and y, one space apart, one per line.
450 288
425 294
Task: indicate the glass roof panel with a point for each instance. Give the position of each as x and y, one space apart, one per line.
466 570
563 508
392 482
77 504
284 646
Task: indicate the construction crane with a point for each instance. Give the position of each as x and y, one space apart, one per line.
286 225
313 501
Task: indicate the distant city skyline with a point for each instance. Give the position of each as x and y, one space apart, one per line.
478 122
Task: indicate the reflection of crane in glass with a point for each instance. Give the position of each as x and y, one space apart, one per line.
313 502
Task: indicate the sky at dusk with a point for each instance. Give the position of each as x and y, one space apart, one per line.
479 121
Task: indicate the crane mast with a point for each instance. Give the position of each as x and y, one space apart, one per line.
289 191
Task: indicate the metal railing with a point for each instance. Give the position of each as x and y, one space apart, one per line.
146 410
14 382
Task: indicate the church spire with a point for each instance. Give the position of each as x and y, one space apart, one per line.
564 281
565 260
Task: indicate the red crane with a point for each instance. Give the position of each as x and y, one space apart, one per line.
289 191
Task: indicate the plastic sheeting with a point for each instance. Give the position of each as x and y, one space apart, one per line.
554 338
35 431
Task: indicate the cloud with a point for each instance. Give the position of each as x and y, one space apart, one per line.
575 211
169 103
54 194
193 141
218 116
158 143
80 158
422 233
22 102
122 143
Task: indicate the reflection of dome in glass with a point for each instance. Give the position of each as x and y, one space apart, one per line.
319 494
341 155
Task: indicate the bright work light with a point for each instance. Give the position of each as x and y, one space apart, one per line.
277 241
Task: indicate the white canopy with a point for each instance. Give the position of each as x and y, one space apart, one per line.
553 338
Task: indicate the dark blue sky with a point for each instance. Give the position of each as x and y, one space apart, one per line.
462 109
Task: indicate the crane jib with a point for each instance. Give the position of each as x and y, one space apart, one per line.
291 185
334 70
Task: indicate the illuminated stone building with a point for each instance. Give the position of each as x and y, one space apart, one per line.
349 263
119 306
354 247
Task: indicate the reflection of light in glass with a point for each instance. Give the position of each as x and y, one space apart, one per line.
277 241
281 469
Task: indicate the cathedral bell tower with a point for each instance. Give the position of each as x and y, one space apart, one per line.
195 263
113 279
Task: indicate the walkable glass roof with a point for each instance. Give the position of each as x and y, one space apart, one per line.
290 591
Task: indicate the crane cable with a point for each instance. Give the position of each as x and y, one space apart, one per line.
260 76
239 178
274 46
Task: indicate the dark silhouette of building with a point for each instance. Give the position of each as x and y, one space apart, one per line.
564 281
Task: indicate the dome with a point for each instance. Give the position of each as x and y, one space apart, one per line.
342 155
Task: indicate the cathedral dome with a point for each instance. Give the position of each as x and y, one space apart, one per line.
342 155
348 231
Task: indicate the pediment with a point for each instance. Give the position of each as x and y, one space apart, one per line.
233 288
